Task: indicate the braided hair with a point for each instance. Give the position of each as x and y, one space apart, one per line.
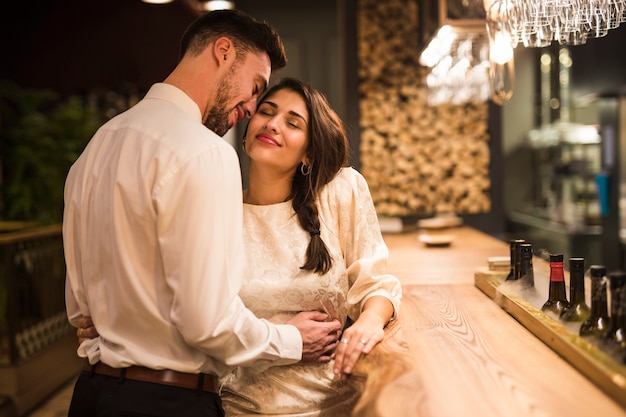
327 152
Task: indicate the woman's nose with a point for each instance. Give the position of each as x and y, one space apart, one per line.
272 123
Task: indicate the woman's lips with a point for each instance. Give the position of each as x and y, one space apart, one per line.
267 139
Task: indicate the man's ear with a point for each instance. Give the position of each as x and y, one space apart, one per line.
223 51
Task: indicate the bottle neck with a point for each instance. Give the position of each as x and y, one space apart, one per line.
557 281
577 286
527 273
617 295
519 261
556 272
599 306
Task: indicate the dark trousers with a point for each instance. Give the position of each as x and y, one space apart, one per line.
104 396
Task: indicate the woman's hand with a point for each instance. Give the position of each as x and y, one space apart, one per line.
360 338
86 330
357 340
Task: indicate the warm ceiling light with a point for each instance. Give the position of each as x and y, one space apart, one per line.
157 1
218 5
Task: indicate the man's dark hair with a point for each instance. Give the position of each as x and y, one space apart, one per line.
247 34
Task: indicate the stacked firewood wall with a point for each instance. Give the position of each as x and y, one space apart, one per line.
418 159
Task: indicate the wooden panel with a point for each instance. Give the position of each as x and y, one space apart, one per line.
417 158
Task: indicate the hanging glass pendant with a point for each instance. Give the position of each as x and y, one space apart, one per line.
501 61
502 80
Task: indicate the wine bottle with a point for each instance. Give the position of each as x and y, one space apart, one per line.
526 271
597 324
557 300
617 284
578 310
514 251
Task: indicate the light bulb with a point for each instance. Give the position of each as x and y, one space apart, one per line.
500 49
218 5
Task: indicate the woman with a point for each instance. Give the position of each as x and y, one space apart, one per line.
312 243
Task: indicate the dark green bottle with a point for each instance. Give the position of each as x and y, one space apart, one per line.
578 310
617 284
526 271
597 324
557 300
515 252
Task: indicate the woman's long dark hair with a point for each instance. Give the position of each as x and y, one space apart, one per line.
327 152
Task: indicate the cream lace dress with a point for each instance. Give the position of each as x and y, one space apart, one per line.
276 288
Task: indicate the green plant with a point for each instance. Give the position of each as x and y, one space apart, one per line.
40 137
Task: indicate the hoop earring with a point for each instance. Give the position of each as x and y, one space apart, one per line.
305 169
243 145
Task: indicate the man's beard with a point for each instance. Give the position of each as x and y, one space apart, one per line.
217 117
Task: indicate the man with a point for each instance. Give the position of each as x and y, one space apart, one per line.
152 235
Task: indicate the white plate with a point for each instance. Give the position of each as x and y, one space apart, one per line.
440 222
436 240
390 224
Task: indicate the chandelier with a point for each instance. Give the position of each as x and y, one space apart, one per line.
455 74
458 67
538 23
467 63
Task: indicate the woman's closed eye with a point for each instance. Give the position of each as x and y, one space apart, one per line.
295 123
266 111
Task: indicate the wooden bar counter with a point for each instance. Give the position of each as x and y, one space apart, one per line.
453 352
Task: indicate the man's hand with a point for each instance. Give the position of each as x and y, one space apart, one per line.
86 330
319 336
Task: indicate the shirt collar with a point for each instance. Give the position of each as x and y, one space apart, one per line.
176 96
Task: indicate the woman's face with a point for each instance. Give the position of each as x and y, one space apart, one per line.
277 133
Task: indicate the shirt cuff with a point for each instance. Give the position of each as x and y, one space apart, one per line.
292 341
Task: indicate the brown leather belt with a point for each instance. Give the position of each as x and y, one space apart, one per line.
203 382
